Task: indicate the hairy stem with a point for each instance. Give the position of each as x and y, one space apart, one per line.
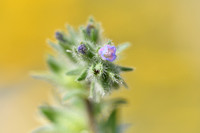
90 113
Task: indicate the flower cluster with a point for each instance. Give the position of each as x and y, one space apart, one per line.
84 71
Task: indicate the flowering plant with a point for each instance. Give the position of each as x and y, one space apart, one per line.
83 73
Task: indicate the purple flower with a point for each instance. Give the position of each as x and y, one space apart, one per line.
107 52
82 49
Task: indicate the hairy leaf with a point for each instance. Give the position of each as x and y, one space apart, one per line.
54 45
125 69
74 93
111 123
122 128
74 72
45 129
41 75
50 113
82 76
122 47
53 64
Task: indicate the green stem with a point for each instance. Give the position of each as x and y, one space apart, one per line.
90 113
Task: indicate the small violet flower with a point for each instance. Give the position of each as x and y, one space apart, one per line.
82 49
107 52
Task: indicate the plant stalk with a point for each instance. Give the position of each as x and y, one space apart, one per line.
90 113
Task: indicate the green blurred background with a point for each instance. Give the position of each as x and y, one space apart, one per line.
164 90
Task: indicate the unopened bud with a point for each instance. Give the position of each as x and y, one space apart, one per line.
82 49
89 29
59 36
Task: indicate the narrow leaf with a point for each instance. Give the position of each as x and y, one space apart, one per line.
49 112
74 72
53 65
94 35
54 45
112 122
122 128
118 101
71 32
45 129
74 93
125 69
41 75
122 47
124 84
82 76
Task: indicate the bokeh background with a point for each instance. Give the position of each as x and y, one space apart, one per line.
164 94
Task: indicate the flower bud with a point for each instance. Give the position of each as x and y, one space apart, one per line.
89 29
82 49
59 36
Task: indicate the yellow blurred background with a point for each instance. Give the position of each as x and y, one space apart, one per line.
164 94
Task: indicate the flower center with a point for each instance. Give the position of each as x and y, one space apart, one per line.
108 53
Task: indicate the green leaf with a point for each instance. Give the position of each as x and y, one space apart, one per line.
74 72
118 101
82 76
112 122
125 69
49 112
120 80
53 64
45 129
91 19
115 85
74 93
94 35
122 128
105 82
124 84
54 45
71 32
62 47
41 75
122 47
